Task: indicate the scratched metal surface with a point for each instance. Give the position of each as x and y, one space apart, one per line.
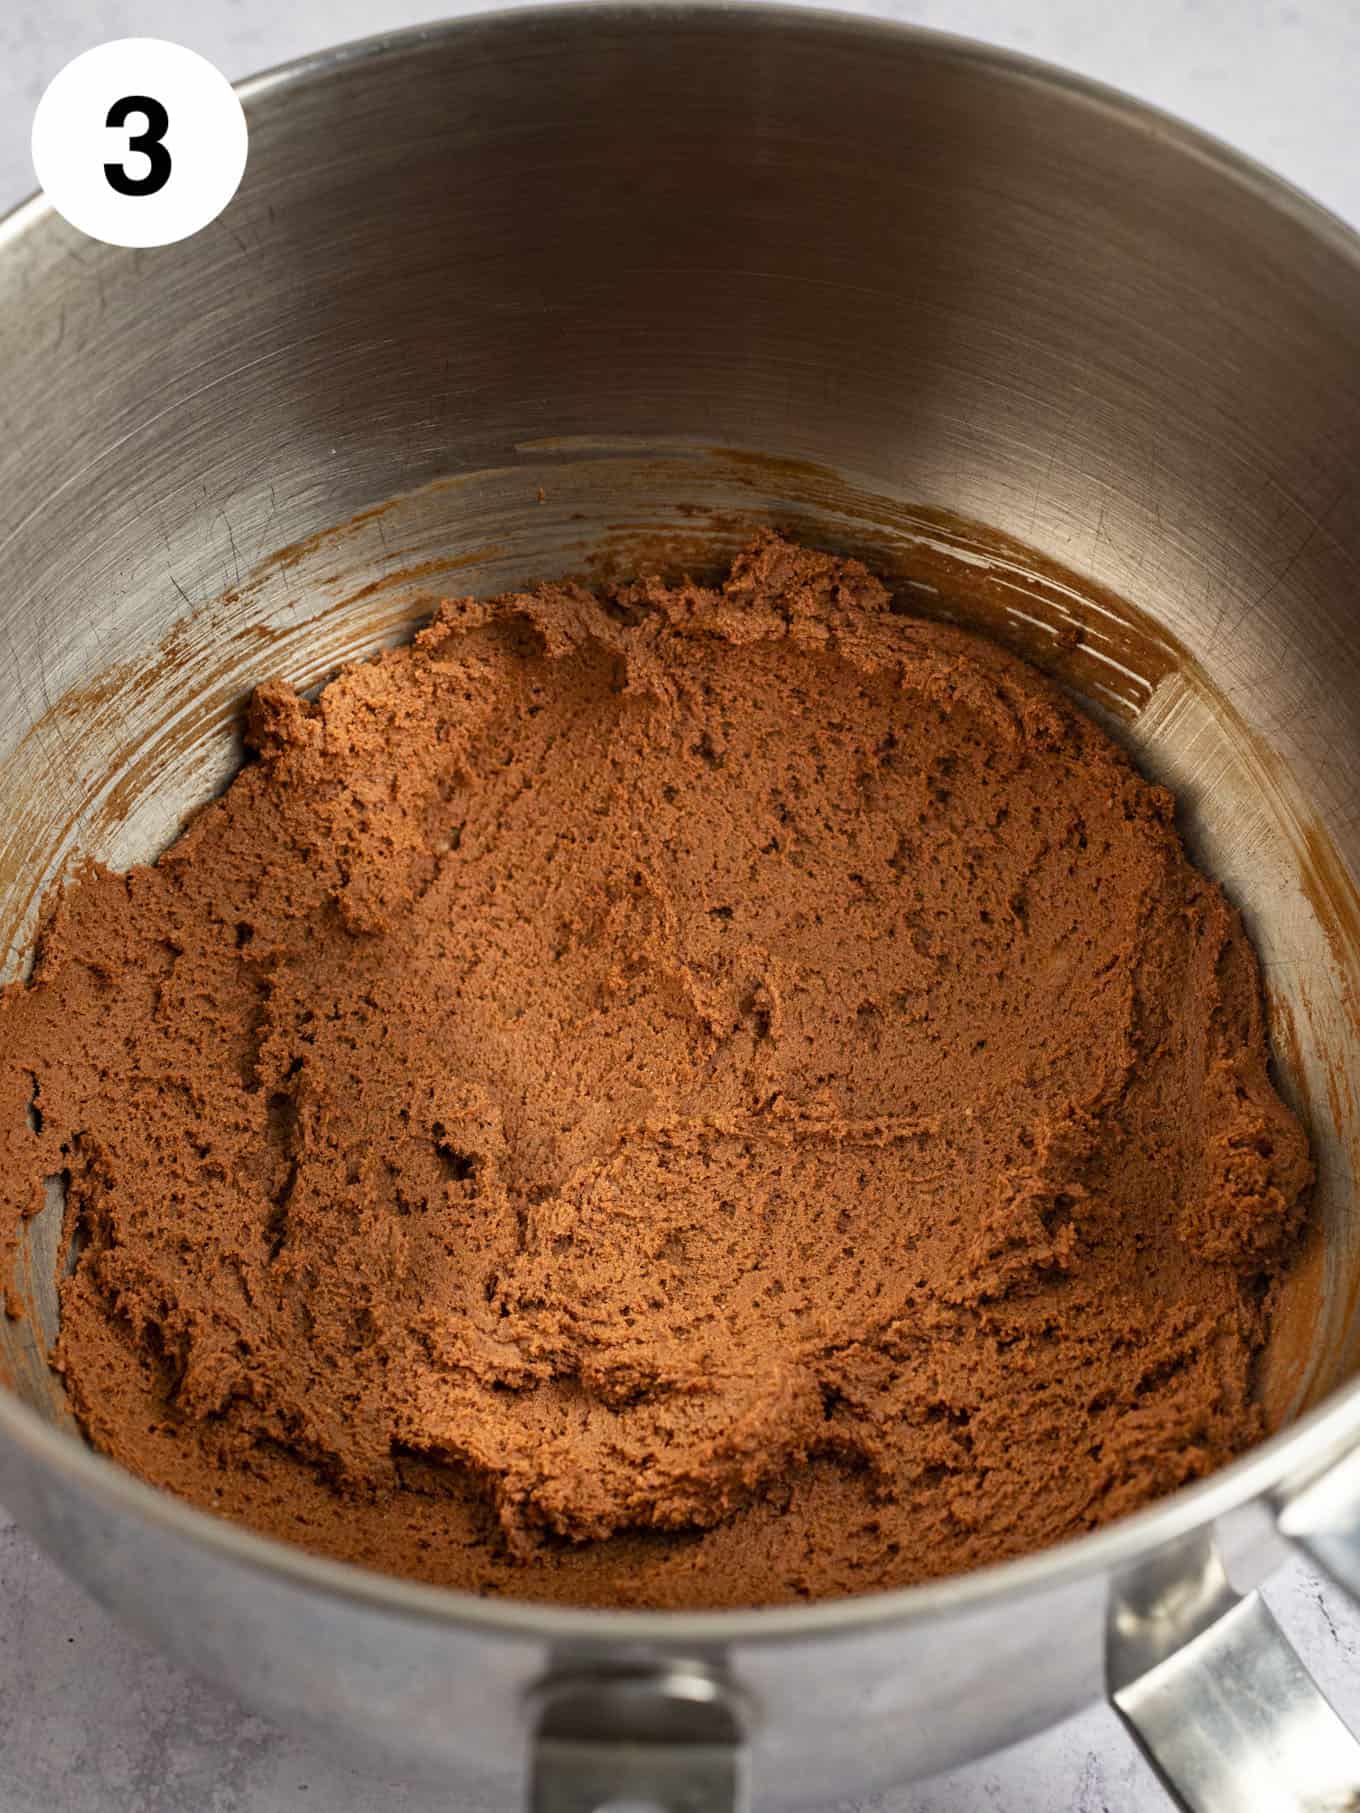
91 1721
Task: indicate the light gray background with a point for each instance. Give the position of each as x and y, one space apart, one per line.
93 1722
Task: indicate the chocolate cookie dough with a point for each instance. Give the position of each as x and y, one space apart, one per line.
677 1096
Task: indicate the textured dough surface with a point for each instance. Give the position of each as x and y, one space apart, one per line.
677 1096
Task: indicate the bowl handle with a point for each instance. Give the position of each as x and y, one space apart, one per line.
1212 1689
671 1737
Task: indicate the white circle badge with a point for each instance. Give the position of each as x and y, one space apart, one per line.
139 142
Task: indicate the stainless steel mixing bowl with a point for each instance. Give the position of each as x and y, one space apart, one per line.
561 283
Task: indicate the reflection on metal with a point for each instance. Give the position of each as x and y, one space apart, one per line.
1214 1693
672 1740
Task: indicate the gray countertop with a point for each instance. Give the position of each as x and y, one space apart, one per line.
91 1721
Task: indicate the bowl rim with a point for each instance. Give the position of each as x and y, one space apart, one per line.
1294 1453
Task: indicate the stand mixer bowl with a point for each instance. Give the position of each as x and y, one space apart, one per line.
508 297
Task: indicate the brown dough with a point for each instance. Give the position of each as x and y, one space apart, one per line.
678 1097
